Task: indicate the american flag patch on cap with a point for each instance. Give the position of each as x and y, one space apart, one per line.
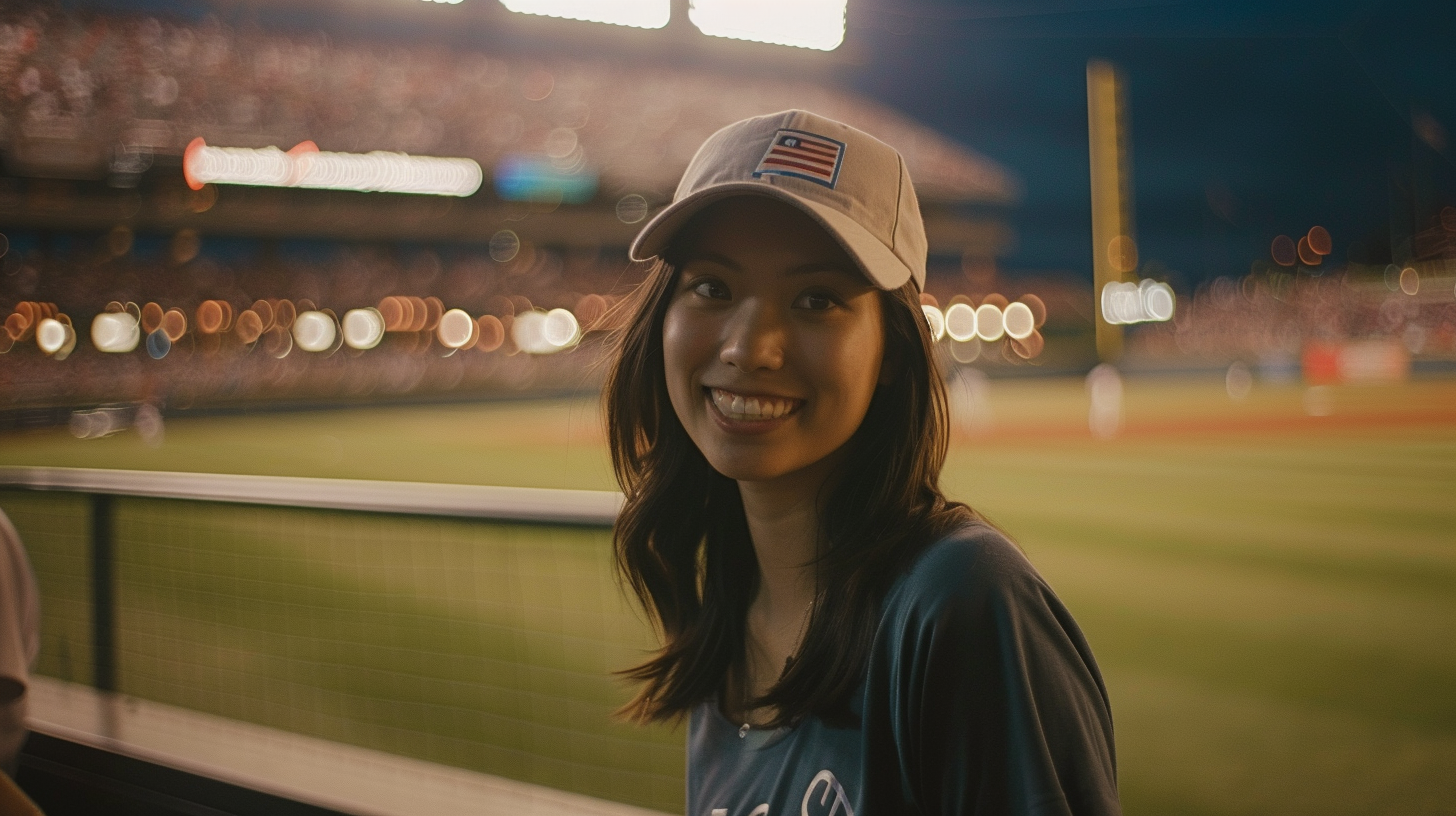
802 155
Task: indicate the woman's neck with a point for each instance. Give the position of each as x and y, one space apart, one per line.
783 521
784 525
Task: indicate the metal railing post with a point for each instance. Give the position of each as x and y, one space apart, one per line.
103 592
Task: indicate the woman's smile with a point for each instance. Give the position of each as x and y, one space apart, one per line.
749 407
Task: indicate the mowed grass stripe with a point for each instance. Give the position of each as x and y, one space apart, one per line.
1189 747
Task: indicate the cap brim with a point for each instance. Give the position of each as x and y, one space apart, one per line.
879 264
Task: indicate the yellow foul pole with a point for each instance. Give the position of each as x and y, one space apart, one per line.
1114 248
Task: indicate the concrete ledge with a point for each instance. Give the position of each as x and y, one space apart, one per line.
328 774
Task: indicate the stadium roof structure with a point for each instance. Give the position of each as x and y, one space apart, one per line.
115 99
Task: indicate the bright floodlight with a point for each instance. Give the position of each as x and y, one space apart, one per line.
1019 321
960 322
314 331
817 24
455 328
990 322
935 320
561 328
115 332
363 328
635 13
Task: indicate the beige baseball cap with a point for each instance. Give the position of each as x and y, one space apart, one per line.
852 184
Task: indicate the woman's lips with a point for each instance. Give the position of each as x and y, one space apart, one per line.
754 412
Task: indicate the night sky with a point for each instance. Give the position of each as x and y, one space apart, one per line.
1248 119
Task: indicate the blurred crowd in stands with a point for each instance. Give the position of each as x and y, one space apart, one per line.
113 89
1270 316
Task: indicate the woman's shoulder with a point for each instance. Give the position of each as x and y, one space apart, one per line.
974 564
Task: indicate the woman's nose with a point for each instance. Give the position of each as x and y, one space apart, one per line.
753 339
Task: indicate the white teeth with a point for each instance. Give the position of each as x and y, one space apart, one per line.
751 409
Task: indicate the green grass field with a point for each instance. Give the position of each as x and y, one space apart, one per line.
1272 596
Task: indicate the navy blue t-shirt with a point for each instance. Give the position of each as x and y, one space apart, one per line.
980 697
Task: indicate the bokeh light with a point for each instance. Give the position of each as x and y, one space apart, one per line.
363 328
528 332
306 166
1019 321
1307 255
115 332
249 327
1029 346
990 322
50 335
1283 250
504 246
209 317
492 333
314 331
158 344
1122 253
174 324
631 208
1410 280
277 342
935 320
560 328
966 351
456 328
960 322
1319 240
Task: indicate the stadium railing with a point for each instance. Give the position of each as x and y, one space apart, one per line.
350 646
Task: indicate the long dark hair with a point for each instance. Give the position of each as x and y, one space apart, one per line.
682 541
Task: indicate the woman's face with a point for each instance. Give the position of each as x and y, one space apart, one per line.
772 343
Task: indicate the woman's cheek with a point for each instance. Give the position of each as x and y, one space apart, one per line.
684 343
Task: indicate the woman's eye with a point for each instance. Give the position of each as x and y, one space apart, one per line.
816 301
711 289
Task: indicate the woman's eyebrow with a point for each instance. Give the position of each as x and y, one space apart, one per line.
715 258
822 266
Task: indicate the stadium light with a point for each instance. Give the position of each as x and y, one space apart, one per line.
635 13
816 24
306 166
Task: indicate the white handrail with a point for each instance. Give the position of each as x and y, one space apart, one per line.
597 508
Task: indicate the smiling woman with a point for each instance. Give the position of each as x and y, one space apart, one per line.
840 636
